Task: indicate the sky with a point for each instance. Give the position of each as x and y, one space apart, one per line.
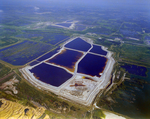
87 3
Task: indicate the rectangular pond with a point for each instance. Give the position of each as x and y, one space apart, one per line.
78 44
67 59
92 65
98 50
50 74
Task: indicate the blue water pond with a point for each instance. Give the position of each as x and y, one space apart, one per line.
50 74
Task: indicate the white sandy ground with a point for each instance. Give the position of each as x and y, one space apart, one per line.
112 116
109 115
10 85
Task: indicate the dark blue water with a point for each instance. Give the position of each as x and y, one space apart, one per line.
66 59
92 65
65 24
50 74
48 55
134 69
33 63
24 52
98 50
79 44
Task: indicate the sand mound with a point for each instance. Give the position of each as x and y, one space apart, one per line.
13 110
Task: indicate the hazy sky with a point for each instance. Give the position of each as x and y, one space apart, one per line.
87 3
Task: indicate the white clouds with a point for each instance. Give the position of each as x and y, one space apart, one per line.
1 10
36 8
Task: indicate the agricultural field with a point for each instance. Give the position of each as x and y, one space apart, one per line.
133 53
7 41
131 30
100 31
24 52
45 37
4 70
107 43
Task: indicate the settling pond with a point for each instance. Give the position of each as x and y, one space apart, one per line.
92 65
51 74
98 50
52 71
78 44
67 59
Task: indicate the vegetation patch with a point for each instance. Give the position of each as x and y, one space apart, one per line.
3 70
133 53
7 41
98 114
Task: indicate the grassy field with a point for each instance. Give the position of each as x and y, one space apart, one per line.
133 53
4 70
5 41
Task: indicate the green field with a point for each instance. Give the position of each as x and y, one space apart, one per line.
4 70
